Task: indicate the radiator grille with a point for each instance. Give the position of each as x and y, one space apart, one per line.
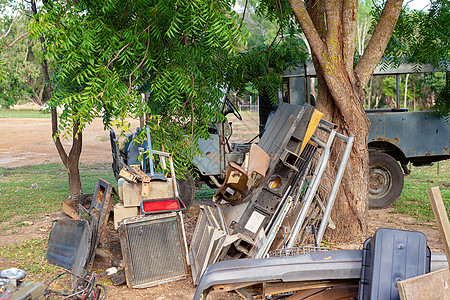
155 251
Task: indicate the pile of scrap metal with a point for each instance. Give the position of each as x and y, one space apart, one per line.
393 265
280 197
150 221
148 217
372 273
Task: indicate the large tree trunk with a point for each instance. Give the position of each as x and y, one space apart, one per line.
330 28
350 209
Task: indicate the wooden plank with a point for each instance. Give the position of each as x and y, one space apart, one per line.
435 285
128 175
440 214
69 208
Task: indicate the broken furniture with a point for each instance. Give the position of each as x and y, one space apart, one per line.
153 249
274 275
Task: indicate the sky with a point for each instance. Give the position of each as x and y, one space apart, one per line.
418 4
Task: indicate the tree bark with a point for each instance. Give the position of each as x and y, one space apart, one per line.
70 161
330 28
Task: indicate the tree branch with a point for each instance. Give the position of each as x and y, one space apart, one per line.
16 40
314 40
378 42
349 20
9 29
243 15
59 147
124 47
333 11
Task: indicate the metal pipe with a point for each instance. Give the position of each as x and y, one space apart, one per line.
184 238
312 190
341 136
150 155
334 190
275 227
221 218
397 91
214 180
329 124
317 141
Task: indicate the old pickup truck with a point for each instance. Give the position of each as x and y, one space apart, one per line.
402 137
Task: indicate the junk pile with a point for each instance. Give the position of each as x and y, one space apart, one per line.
149 220
393 264
279 198
151 228
261 235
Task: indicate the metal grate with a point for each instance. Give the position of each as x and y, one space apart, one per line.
154 251
205 241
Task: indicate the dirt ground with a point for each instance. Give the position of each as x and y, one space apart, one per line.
28 142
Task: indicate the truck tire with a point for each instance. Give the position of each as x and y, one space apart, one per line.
385 180
187 190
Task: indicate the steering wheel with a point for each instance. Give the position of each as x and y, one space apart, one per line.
231 108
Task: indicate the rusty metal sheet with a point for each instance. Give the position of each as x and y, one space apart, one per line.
258 162
414 133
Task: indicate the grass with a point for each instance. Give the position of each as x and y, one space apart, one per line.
9 113
27 193
29 256
414 199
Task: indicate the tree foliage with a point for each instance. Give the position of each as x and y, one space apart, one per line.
423 37
104 55
20 76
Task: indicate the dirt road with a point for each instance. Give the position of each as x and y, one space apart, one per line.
28 141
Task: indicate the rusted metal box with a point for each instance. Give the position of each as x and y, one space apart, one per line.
152 249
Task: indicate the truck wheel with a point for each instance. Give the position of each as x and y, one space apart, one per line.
385 180
187 190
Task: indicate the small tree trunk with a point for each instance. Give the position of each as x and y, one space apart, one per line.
70 161
74 179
